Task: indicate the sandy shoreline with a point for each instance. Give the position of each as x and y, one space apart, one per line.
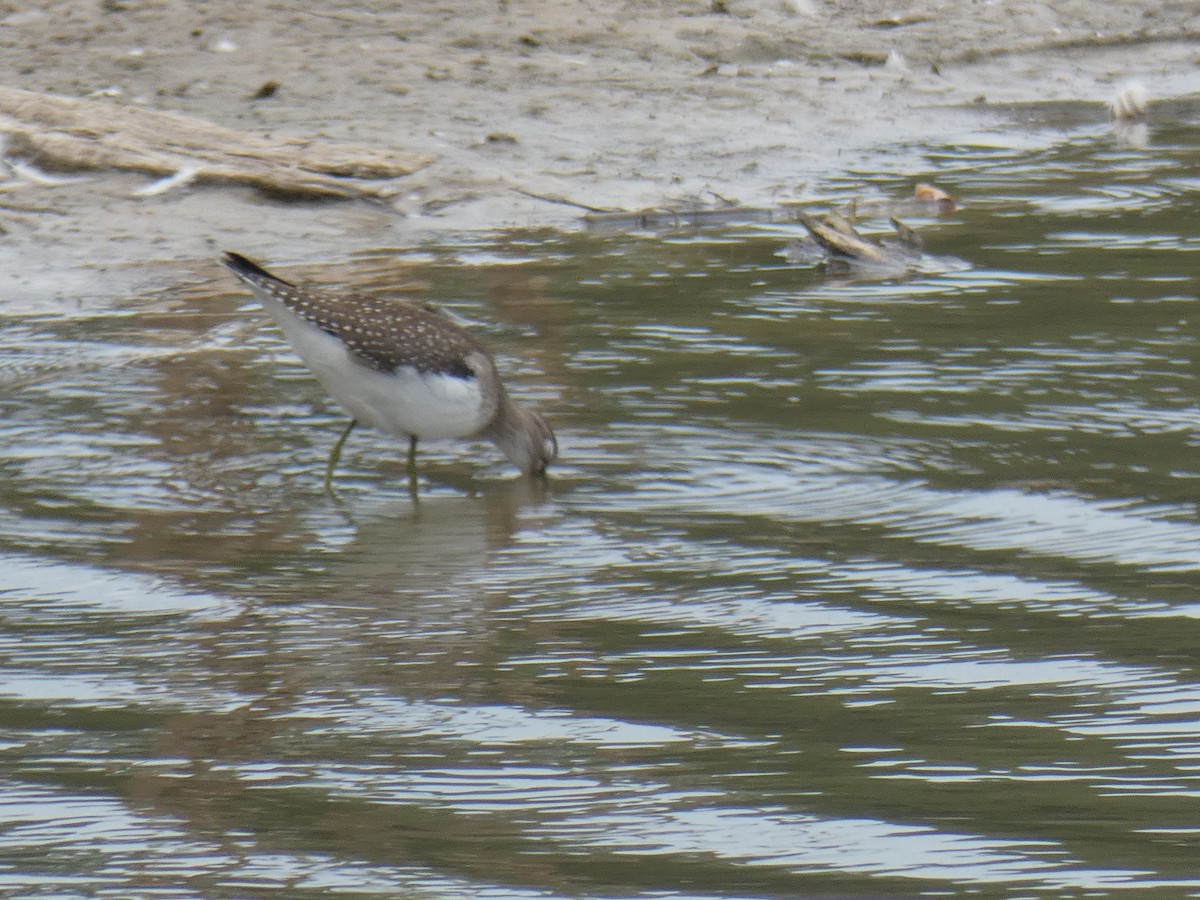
608 105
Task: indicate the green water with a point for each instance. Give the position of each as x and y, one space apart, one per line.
862 588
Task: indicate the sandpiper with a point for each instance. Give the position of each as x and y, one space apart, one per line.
403 369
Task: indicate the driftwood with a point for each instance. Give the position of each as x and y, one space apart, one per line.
71 134
839 238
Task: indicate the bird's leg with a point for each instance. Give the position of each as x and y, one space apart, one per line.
412 455
412 466
336 453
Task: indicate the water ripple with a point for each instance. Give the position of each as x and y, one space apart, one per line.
1121 532
840 588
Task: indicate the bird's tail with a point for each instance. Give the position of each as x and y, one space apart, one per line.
250 271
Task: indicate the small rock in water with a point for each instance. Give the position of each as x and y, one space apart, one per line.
928 193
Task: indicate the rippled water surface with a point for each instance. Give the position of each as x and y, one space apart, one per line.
842 587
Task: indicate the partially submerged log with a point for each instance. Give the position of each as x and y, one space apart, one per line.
835 243
65 133
839 238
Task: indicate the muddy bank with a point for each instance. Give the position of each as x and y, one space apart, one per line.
533 111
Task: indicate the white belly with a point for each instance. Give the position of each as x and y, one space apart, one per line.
406 402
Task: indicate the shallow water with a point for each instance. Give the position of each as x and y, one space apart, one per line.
842 587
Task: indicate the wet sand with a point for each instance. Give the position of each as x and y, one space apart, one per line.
534 112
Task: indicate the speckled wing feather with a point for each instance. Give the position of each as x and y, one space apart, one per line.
383 334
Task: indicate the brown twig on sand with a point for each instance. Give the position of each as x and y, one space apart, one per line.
550 198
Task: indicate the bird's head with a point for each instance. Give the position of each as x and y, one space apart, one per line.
527 439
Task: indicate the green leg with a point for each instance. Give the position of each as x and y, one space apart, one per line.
412 466
336 453
412 455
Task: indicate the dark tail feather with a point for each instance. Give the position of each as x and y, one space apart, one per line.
245 268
